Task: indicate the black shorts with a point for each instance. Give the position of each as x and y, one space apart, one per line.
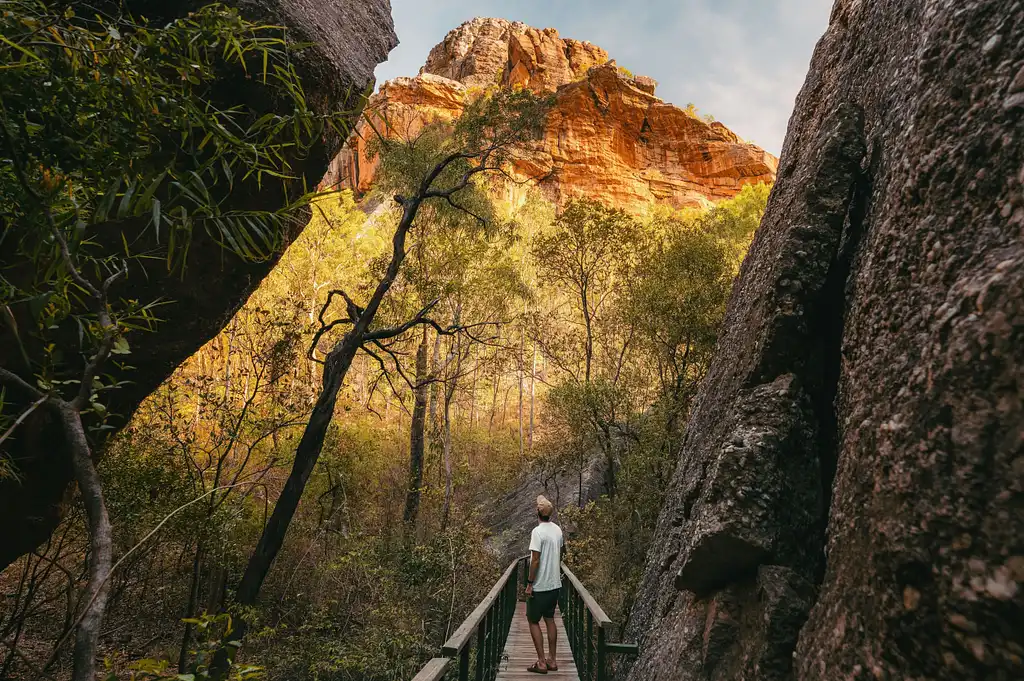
541 604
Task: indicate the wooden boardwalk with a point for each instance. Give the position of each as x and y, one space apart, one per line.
520 653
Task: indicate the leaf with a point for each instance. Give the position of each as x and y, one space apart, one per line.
108 200
126 200
21 49
156 218
144 198
121 347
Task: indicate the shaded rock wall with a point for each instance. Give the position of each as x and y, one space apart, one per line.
849 499
349 39
608 137
513 516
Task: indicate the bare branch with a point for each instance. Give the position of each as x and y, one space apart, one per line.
417 319
24 415
14 379
451 202
354 313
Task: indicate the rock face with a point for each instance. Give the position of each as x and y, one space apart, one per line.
348 41
512 517
848 500
608 137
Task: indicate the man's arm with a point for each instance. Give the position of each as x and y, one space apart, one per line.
534 565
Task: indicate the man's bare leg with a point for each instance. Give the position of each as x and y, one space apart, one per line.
552 641
538 643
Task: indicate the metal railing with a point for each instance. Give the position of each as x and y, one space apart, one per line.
476 646
588 629
475 649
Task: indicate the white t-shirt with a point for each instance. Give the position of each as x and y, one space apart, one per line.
547 539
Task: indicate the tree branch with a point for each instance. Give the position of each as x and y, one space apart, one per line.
24 415
14 379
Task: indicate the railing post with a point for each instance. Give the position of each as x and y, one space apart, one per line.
578 635
492 640
589 665
496 622
464 664
481 632
602 672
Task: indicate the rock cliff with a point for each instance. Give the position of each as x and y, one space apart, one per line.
608 137
347 41
848 500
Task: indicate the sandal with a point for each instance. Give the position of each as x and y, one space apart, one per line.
552 667
537 670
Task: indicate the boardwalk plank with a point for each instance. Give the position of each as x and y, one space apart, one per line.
520 654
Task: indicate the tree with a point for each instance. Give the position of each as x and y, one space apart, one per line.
587 256
480 142
586 253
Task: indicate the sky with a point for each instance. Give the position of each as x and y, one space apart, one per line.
743 61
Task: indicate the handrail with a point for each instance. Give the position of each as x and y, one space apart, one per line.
587 626
461 636
600 618
487 627
433 670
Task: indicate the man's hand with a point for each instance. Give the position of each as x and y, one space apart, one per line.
529 590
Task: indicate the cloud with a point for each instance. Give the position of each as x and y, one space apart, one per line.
742 61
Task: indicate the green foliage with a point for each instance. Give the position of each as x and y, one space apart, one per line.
586 254
626 72
126 186
621 316
672 305
213 631
487 132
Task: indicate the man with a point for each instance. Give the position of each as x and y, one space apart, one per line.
545 581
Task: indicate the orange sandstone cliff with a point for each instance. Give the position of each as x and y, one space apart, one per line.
608 137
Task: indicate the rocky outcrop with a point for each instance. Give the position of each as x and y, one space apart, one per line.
347 41
511 517
607 137
848 500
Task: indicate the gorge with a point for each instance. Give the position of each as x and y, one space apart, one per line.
784 431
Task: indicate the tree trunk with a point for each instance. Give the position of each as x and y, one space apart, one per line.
533 396
433 422
494 400
589 340
416 437
448 486
336 366
472 397
435 388
100 545
579 494
192 607
522 352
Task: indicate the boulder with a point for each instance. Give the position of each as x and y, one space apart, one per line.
347 41
851 485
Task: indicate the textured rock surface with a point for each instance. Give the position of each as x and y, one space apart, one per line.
608 137
857 449
512 517
349 39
